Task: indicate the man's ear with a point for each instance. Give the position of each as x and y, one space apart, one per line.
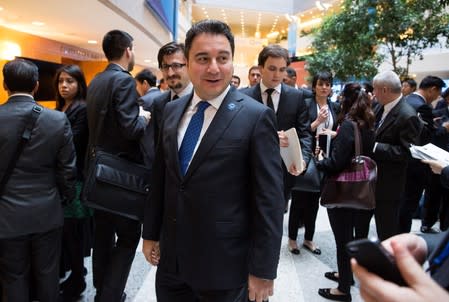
35 88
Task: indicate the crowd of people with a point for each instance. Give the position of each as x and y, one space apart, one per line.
213 219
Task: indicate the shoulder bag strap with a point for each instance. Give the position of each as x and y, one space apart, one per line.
25 138
357 139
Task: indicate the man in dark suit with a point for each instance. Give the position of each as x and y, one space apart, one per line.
146 88
172 63
215 204
43 178
418 174
287 102
398 126
121 131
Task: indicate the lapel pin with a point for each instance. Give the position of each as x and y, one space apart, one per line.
231 106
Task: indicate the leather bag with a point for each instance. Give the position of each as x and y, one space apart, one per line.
311 180
355 186
117 185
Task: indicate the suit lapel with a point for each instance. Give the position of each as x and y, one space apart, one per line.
257 95
390 118
172 123
228 110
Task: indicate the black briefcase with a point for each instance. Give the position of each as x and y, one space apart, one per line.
117 185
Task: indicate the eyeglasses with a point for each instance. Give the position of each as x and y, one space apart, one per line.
174 66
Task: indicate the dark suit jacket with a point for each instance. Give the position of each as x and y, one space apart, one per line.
77 115
292 112
334 109
146 101
435 244
400 128
424 111
157 112
122 126
223 219
45 172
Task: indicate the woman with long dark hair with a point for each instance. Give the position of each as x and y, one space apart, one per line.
345 222
70 86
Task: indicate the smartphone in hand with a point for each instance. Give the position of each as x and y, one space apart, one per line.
376 259
324 141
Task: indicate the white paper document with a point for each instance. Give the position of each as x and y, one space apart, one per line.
292 154
430 151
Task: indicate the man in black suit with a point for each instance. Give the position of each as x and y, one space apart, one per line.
43 178
121 131
418 174
287 102
398 126
146 88
215 204
172 63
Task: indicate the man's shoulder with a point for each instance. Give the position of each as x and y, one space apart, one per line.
163 97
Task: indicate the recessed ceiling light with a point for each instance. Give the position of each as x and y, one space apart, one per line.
38 23
1 8
147 60
92 42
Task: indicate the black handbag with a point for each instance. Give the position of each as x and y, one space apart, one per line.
355 186
115 184
311 180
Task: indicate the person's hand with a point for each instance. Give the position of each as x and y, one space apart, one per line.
416 245
323 114
151 251
145 114
293 170
435 165
259 289
333 134
446 126
283 139
421 287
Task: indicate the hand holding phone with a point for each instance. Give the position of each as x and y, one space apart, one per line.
376 259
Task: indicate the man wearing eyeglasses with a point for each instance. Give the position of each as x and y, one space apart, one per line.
172 63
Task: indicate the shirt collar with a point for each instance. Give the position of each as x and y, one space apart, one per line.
263 88
390 105
21 94
215 102
184 92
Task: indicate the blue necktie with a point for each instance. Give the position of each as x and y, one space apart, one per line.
191 136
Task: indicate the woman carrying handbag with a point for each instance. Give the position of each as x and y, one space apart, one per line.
345 221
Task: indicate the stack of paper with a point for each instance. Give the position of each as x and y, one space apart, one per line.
292 154
430 151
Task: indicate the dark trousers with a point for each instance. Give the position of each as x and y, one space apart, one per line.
112 258
289 181
436 204
386 216
72 247
304 206
31 258
170 288
343 223
417 180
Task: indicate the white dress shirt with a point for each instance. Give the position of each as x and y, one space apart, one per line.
275 95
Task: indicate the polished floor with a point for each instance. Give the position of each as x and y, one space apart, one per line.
299 276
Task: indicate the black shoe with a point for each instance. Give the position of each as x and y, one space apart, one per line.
332 276
293 250
429 230
123 297
326 293
74 289
315 251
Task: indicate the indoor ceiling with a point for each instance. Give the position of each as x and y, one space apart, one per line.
83 23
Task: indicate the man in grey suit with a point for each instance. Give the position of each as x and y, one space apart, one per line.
288 104
217 182
43 178
116 236
398 126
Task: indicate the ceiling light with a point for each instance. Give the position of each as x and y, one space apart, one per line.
1 8
92 42
38 23
147 61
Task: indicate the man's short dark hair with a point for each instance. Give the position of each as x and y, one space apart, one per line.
274 51
431 81
411 83
20 75
291 72
207 26
115 43
236 77
146 74
253 67
169 49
